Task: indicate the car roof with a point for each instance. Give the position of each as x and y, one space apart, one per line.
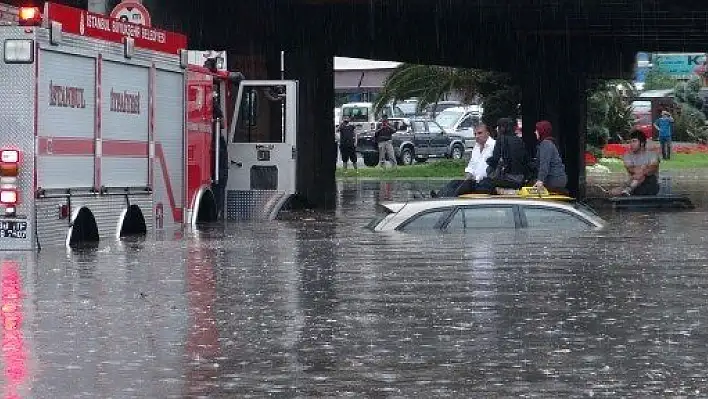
420 205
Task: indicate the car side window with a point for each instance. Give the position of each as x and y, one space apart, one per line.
545 218
467 123
434 128
419 127
482 217
424 222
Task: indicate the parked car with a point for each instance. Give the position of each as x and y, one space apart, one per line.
432 110
418 139
460 121
489 212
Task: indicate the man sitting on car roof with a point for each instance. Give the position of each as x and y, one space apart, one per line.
476 179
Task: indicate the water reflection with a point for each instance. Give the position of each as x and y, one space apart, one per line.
317 306
319 337
14 352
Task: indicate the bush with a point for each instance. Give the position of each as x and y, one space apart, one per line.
609 113
690 125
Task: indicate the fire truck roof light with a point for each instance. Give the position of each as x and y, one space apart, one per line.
9 156
8 197
30 16
19 51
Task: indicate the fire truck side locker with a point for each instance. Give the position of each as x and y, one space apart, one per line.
101 130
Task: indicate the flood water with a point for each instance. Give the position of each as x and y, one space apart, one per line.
317 306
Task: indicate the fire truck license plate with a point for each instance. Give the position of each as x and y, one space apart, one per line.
13 229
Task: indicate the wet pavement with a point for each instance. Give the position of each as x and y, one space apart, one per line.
317 306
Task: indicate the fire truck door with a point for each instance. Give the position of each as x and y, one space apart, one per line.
262 149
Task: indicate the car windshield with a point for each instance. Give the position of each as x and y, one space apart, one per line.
447 119
408 108
356 114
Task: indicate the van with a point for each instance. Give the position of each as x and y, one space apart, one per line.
361 115
461 121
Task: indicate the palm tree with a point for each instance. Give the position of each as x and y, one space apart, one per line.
429 83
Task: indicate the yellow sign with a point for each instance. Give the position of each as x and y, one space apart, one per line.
524 192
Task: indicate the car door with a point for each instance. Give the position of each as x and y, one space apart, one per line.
466 129
421 139
439 141
478 218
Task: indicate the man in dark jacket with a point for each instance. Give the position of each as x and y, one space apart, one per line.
347 142
383 137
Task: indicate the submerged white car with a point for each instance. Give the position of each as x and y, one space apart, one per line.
472 214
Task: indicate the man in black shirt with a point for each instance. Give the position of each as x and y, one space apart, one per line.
347 142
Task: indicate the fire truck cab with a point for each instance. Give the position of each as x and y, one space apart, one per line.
107 131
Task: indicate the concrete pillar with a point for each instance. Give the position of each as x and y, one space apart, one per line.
313 66
554 90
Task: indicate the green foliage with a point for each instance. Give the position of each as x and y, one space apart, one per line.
447 168
609 113
687 93
429 83
690 123
658 80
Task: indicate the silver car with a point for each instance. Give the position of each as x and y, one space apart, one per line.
462 214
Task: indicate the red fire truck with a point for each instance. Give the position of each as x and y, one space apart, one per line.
107 131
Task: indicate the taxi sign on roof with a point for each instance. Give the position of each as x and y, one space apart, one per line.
85 23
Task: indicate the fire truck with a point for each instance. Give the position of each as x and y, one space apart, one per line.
108 131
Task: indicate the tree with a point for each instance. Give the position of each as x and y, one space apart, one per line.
429 83
690 121
609 113
658 80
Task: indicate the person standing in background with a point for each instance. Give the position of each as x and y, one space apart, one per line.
665 126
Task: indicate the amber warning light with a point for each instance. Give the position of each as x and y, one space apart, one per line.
9 163
30 16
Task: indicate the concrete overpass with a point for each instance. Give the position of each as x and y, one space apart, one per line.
552 47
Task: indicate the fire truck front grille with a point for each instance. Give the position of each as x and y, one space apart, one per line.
254 204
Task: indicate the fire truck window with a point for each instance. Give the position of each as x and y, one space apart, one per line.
261 115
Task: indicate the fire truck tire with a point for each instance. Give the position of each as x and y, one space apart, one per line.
207 208
133 223
84 229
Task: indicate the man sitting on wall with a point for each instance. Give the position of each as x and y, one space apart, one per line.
642 166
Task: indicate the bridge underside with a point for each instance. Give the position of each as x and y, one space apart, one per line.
552 48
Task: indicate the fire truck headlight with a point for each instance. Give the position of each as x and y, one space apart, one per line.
8 197
19 51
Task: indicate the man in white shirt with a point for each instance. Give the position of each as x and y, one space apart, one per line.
483 148
476 170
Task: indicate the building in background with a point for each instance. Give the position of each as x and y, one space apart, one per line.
357 79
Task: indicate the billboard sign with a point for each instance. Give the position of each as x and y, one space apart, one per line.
679 65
